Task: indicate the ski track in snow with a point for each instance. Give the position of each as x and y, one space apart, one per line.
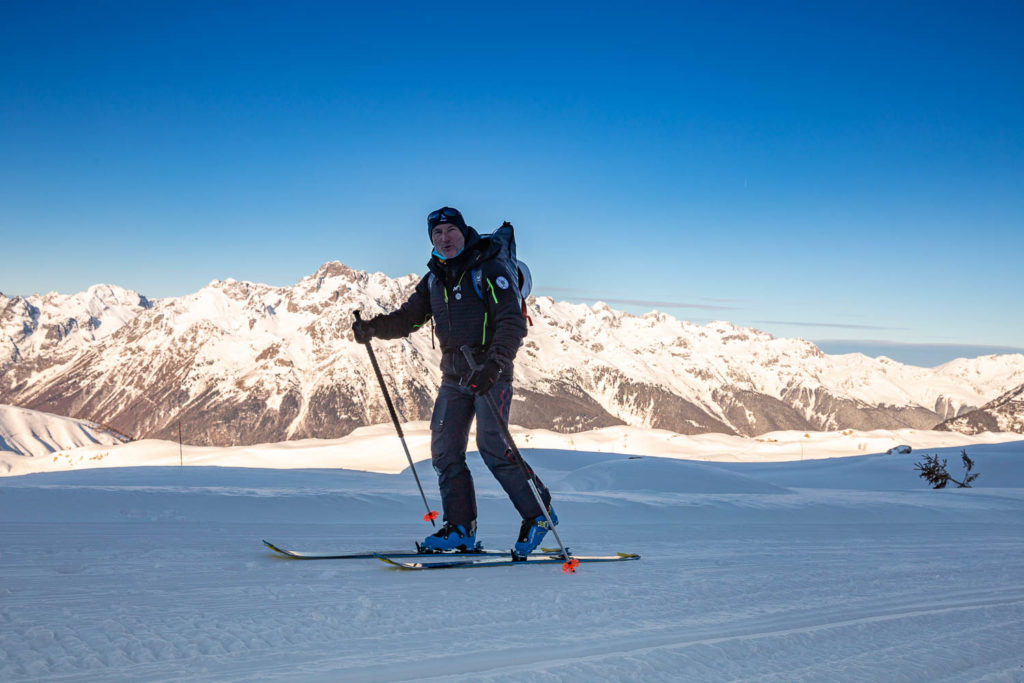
158 574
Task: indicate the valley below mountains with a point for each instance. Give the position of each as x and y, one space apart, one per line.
241 363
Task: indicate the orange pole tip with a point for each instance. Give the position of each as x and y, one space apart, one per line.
430 516
570 566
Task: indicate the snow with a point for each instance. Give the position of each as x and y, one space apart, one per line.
83 318
376 449
35 433
842 568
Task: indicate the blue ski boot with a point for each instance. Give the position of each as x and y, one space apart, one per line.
532 532
450 538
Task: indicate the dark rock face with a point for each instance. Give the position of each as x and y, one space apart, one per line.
754 413
562 408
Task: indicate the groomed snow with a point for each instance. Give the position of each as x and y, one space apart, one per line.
839 569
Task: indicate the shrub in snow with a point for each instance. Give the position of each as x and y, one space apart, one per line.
934 470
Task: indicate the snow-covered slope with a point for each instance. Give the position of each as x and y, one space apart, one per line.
1004 414
377 449
847 569
32 433
243 363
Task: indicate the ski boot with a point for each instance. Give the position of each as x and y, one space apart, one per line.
532 532
450 538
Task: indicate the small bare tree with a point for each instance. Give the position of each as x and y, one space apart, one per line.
934 470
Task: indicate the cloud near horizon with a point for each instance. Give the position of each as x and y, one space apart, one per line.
842 326
580 297
660 304
923 355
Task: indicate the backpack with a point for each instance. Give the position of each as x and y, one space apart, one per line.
505 238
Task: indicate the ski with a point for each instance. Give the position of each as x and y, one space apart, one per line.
298 555
475 563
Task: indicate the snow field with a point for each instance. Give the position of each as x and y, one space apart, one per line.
750 572
47 444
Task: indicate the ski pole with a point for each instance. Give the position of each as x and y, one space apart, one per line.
570 563
431 514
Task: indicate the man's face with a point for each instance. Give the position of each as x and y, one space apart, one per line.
447 239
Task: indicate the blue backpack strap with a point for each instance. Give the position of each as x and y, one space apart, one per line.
478 282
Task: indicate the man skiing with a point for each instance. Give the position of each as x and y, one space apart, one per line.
472 293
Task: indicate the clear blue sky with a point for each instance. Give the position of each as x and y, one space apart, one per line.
851 172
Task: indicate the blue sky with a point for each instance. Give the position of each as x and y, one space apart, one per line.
848 173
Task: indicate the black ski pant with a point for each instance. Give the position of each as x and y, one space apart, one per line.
449 431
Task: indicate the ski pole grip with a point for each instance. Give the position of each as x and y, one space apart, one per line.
373 359
468 353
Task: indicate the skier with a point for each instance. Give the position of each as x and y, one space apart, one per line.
474 300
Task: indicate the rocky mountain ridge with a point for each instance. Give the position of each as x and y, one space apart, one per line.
240 362
1003 414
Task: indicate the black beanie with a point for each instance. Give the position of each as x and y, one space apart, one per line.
446 214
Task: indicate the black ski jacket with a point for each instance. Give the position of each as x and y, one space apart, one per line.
488 317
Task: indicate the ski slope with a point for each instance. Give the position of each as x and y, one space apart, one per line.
843 569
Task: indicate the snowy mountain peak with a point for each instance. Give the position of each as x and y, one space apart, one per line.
63 325
333 270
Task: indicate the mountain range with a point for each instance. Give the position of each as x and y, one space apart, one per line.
242 363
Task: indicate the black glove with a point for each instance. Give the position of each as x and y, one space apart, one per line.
483 379
363 331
